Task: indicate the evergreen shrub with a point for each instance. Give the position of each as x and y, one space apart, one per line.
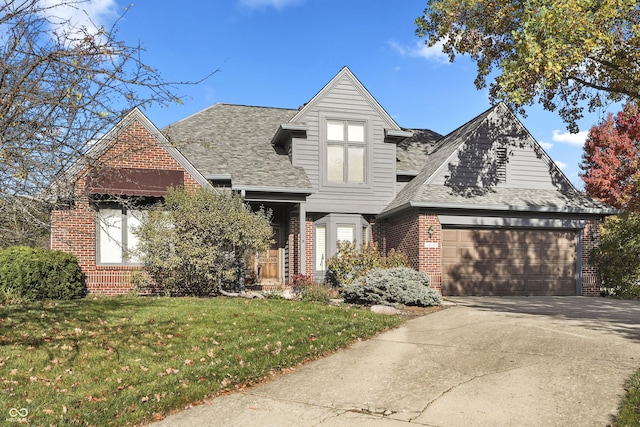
39 274
392 286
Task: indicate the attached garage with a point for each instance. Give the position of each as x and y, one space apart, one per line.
512 261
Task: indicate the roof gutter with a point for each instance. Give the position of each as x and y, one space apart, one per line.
499 208
305 191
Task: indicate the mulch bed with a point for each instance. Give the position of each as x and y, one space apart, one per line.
421 311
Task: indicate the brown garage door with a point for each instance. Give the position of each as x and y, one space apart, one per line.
508 262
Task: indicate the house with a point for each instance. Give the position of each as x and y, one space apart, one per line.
482 210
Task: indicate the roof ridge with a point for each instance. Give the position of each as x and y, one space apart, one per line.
223 104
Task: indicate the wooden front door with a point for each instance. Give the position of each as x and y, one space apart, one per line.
269 261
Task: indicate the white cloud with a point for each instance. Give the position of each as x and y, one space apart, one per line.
72 16
421 50
561 165
278 4
570 138
546 145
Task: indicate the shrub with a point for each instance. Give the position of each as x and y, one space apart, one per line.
306 289
351 263
399 285
617 256
299 283
197 242
37 274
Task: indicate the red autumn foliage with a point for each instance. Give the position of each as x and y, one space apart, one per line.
610 163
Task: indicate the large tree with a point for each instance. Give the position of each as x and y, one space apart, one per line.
562 53
611 160
63 83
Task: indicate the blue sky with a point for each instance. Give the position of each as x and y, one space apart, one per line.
280 53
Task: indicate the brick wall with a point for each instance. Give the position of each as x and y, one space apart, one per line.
294 247
590 284
74 230
410 234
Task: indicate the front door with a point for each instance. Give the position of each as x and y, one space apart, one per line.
269 261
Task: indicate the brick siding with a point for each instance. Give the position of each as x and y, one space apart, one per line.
410 234
590 283
74 230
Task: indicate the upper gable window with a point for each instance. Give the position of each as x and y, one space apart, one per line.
346 152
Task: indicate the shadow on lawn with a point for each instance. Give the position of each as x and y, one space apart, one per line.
72 322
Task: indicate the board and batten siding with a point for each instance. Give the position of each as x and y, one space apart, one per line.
345 101
475 162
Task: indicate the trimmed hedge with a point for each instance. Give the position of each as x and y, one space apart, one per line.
391 286
38 274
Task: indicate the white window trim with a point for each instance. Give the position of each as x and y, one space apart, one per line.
122 240
330 223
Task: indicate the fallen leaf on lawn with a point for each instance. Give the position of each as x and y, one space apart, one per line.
188 362
48 411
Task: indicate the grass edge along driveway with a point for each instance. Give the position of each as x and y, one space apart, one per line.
129 360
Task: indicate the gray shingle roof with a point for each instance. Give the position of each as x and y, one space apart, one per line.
413 153
439 154
235 140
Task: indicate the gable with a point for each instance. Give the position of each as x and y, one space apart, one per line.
463 172
500 152
345 104
130 148
345 92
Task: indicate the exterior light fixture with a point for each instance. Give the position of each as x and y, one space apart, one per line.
430 231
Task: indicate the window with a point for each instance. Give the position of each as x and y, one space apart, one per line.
346 152
345 233
321 247
116 238
334 228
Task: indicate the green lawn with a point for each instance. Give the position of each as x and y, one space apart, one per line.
629 414
123 361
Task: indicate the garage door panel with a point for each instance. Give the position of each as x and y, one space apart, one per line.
508 262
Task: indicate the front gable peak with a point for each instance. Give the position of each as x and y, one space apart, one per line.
346 78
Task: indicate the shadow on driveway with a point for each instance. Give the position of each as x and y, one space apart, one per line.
603 314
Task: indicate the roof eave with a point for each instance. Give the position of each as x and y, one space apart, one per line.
288 130
500 208
396 136
263 189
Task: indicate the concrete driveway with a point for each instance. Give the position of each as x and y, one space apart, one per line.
485 362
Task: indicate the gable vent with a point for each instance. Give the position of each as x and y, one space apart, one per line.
501 165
